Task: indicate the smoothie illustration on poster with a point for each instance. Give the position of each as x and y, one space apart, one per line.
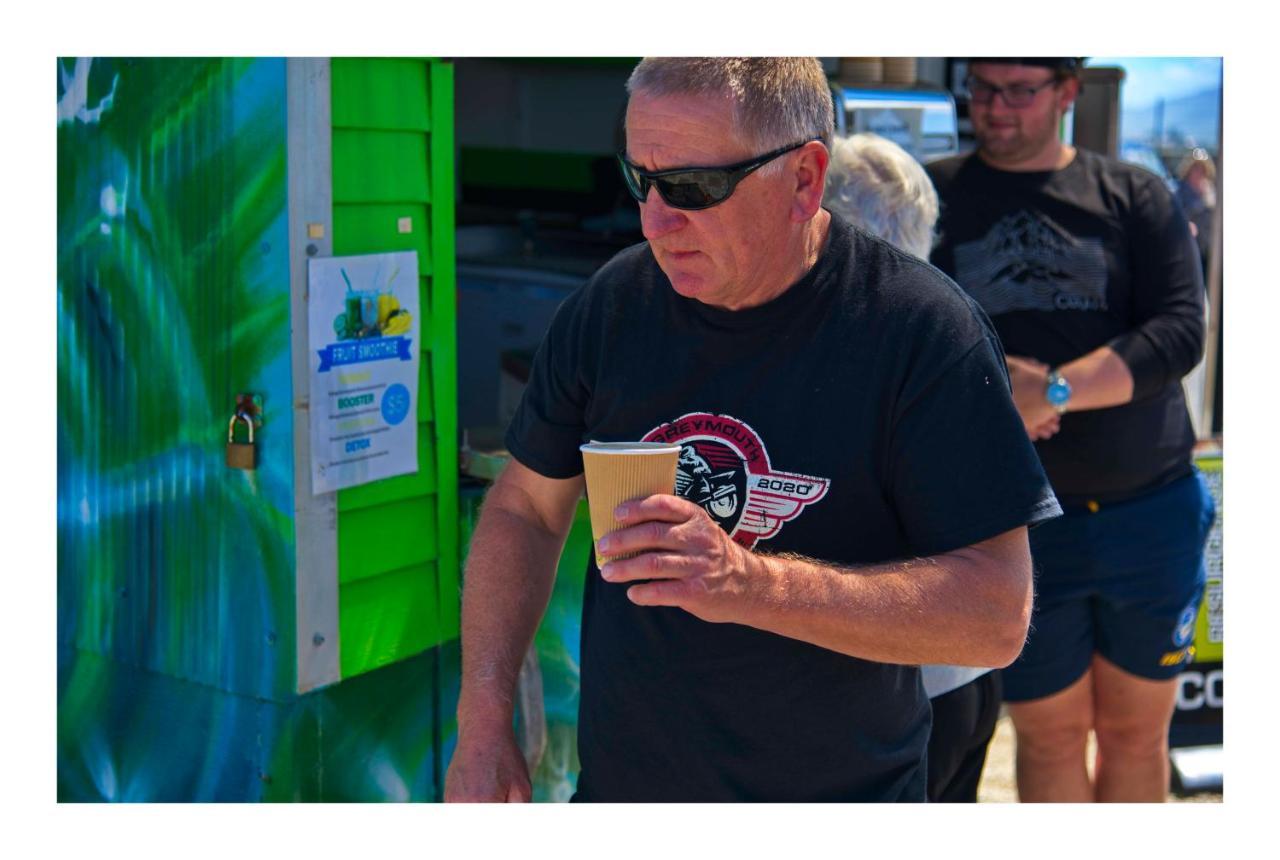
364 325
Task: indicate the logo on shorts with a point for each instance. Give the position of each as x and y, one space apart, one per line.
1177 658
725 468
1186 625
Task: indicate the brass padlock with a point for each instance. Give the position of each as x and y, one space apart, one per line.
241 455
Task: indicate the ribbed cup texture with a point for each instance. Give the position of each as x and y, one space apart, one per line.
616 478
859 70
899 70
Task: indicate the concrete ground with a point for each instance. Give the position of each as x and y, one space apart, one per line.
998 783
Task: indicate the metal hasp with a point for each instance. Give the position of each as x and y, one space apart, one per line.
241 455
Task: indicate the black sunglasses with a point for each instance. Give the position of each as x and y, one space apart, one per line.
1015 95
695 187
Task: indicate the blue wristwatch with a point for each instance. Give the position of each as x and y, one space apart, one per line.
1057 391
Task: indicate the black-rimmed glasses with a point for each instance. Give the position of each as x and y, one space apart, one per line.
1014 95
694 187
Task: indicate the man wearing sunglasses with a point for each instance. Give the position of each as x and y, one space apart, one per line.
1088 270
856 483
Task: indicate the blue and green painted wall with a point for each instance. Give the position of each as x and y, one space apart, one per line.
177 577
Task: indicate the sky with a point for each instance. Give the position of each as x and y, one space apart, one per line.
1150 78
1188 87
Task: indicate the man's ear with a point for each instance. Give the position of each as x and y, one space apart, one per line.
811 176
1068 92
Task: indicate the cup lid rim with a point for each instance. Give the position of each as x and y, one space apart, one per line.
628 447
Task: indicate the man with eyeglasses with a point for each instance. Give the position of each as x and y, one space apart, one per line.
852 406
1089 273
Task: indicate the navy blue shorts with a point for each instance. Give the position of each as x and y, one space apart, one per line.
1124 582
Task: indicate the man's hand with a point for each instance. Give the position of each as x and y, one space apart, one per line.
1028 378
511 567
1048 428
487 767
687 559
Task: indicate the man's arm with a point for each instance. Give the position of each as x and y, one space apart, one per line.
969 607
1167 339
1098 379
510 572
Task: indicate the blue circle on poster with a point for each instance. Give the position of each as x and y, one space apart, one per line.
395 403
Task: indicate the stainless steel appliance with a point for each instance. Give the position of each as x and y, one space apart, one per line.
921 121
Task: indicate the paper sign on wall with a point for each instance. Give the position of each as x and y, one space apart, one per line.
364 324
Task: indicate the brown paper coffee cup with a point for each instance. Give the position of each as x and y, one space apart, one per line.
618 472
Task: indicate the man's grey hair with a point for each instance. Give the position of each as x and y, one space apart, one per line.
777 101
874 184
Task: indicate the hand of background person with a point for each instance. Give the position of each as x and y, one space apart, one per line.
686 559
1049 427
487 767
1028 378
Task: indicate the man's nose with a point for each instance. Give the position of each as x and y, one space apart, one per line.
657 219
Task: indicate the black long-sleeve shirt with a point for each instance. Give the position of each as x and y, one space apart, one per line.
1066 261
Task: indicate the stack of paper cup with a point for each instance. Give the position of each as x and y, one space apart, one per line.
861 70
618 472
899 70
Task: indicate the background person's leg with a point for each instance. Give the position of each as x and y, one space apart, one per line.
1131 721
954 715
1048 688
1052 735
1152 551
963 727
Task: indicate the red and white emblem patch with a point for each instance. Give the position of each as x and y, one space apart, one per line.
725 468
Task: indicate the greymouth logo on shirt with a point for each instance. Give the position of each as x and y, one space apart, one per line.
725 468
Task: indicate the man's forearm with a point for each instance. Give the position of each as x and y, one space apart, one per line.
1098 379
959 608
968 607
510 573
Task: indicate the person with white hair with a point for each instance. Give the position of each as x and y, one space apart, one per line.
875 184
850 398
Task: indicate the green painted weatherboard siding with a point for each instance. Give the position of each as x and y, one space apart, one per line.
444 347
380 166
388 93
382 617
397 538
377 226
426 384
390 536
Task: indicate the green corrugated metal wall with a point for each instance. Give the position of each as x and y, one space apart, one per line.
397 538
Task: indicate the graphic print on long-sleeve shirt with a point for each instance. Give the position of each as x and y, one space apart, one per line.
1028 263
725 468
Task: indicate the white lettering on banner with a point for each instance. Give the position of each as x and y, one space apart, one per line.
1213 595
1206 690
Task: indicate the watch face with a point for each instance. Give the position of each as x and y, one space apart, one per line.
1058 393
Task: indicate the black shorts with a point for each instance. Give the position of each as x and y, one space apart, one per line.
963 722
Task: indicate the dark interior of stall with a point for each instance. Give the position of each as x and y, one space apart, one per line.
541 206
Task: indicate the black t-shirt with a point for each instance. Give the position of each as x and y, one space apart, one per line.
861 416
1070 260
